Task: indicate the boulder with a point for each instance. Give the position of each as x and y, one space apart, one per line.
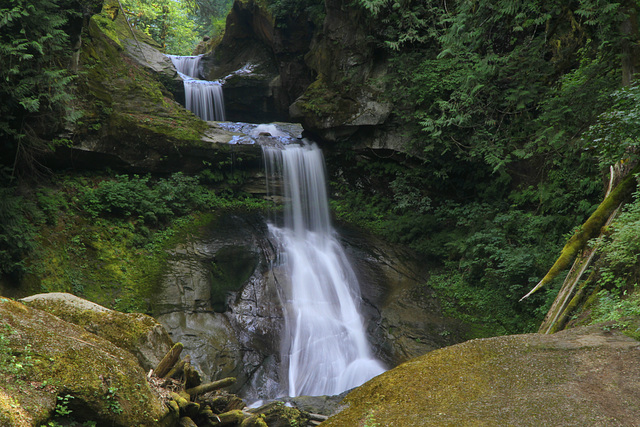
51 368
584 376
137 333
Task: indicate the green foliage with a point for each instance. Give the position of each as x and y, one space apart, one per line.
105 238
620 249
495 83
616 133
177 26
114 405
16 232
291 10
34 82
14 363
62 407
136 196
488 242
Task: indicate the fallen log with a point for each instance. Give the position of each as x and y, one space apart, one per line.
234 418
191 376
590 229
178 368
215 385
187 422
169 360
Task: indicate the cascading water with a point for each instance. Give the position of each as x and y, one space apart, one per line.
203 98
187 65
324 345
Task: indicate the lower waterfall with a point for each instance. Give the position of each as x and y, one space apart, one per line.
324 347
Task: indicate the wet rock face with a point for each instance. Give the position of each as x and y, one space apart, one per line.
217 300
404 318
220 299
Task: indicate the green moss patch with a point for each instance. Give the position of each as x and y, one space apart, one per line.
53 358
578 377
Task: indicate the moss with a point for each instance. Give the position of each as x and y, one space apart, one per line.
106 383
322 100
126 331
514 380
107 27
124 101
590 229
99 260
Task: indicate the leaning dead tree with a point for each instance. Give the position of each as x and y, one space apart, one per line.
576 249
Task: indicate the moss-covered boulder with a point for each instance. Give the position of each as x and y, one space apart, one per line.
585 376
137 333
51 368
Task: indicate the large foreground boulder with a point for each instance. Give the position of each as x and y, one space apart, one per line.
581 377
137 333
49 368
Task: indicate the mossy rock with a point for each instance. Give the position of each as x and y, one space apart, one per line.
137 333
585 376
130 119
278 414
46 358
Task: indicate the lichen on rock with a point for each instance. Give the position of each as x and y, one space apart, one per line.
137 333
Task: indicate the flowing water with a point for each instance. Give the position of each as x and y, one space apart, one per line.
202 97
324 346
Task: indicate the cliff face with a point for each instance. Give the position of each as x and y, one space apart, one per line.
328 77
261 61
130 119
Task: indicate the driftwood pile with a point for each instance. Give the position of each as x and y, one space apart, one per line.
196 404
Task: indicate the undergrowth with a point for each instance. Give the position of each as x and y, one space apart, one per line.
104 238
619 271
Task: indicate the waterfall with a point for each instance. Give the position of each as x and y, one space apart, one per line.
203 98
324 346
187 65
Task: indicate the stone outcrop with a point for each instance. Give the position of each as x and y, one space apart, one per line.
130 119
220 299
327 75
137 333
584 376
348 93
261 60
48 362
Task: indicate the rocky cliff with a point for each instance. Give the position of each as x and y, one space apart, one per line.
327 75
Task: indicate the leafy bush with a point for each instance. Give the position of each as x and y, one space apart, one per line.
34 81
620 250
140 197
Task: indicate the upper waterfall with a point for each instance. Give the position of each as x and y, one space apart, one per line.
204 98
187 65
